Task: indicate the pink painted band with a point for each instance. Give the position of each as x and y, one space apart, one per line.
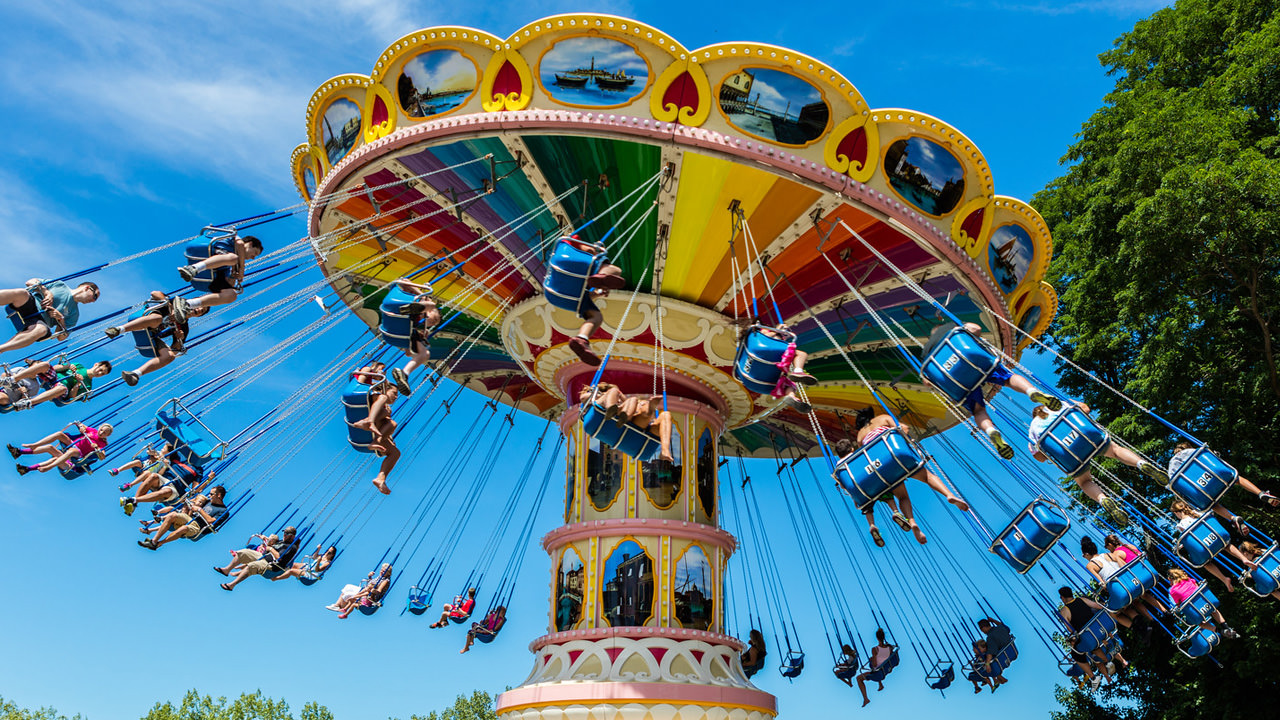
682 529
637 633
624 692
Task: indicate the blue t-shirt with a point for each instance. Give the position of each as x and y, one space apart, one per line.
62 302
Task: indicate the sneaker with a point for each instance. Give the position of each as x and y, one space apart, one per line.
129 506
112 332
797 404
1002 446
1229 634
130 377
582 349
802 378
187 273
180 309
114 472
606 282
23 469
147 543
1153 471
15 452
1053 403
401 379
22 404
1095 683
1116 513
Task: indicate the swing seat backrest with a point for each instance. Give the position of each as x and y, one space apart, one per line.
959 364
204 248
568 268
1031 534
1203 540
626 438
844 672
368 609
1198 608
942 681
792 664
1264 578
1133 580
1095 634
1202 480
1004 658
1072 440
79 467
418 601
492 628
188 439
756 364
1197 642
878 467
395 327
355 407
878 674
1069 667
147 344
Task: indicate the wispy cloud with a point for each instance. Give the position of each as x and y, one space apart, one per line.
1109 7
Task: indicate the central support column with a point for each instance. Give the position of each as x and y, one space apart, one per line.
637 589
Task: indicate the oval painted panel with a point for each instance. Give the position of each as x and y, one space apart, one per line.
569 578
1009 254
707 467
1031 319
340 128
593 72
774 105
925 174
627 585
692 590
435 82
309 182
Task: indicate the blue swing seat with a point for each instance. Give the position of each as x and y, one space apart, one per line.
146 341
490 634
1202 541
792 664
355 407
1072 440
419 600
1264 578
879 673
1069 667
568 268
1197 642
79 467
625 438
1133 580
1198 608
395 327
1031 534
959 364
193 442
1095 634
1202 479
941 675
756 364
204 248
1004 658
878 467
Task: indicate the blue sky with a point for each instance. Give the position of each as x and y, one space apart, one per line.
132 125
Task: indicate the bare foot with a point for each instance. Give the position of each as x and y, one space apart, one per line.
920 537
964 506
667 456
462 651
382 486
866 702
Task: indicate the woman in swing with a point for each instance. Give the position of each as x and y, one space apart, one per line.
313 568
381 397
65 448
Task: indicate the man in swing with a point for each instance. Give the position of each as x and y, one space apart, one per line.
424 316
160 321
638 410
43 307
56 381
227 256
1001 376
608 278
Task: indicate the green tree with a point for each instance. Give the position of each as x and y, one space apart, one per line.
9 711
1167 258
256 706
477 706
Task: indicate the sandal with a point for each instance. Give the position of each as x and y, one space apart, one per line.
220 571
901 521
1269 499
876 538
226 587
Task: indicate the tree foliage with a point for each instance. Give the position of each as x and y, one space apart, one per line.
256 706
1167 259
9 711
477 706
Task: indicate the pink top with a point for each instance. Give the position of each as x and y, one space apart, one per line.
89 442
1129 553
1183 589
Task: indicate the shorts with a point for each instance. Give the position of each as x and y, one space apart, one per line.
999 376
587 306
180 518
30 313
1079 657
247 556
221 281
14 392
189 530
257 567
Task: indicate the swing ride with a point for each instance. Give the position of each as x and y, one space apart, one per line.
730 259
